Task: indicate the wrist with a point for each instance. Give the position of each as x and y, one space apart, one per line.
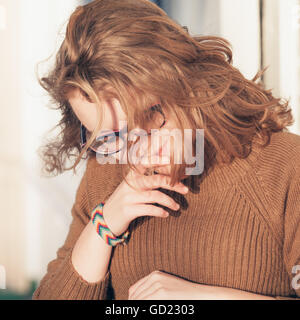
103 230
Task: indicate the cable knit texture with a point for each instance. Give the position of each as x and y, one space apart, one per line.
238 227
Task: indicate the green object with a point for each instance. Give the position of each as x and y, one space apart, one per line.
11 295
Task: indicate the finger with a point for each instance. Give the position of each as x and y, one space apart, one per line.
161 181
148 294
145 289
155 196
140 210
139 283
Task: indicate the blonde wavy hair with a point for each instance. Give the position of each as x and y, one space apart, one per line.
133 47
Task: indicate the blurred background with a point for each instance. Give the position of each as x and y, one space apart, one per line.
35 211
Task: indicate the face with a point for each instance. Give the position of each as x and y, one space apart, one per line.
86 112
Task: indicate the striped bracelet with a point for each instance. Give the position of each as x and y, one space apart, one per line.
103 230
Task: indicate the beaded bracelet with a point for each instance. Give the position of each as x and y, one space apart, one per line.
103 230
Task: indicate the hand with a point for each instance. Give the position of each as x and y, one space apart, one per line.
131 201
163 286
159 285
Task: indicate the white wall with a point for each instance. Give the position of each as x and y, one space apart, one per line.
282 52
235 20
12 231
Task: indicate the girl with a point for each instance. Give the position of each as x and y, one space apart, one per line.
230 231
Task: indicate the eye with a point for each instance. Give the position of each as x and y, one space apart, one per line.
86 95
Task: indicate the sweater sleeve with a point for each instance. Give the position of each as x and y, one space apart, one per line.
62 282
291 247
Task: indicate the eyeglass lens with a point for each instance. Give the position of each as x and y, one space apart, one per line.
113 142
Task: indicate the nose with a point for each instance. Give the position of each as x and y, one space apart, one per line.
155 155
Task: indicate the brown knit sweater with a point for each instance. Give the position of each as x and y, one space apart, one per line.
238 228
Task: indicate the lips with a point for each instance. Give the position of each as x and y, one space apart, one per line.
163 170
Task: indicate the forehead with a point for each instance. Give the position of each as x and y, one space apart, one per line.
87 111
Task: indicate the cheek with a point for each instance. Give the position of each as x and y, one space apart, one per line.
171 145
87 116
114 115
85 111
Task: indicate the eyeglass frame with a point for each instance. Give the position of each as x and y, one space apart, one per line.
115 133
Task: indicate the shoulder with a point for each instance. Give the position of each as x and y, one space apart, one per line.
285 141
283 152
277 167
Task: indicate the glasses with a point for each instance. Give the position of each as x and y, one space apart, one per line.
113 141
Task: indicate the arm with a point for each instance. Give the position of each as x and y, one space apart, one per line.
160 285
221 293
72 276
91 255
